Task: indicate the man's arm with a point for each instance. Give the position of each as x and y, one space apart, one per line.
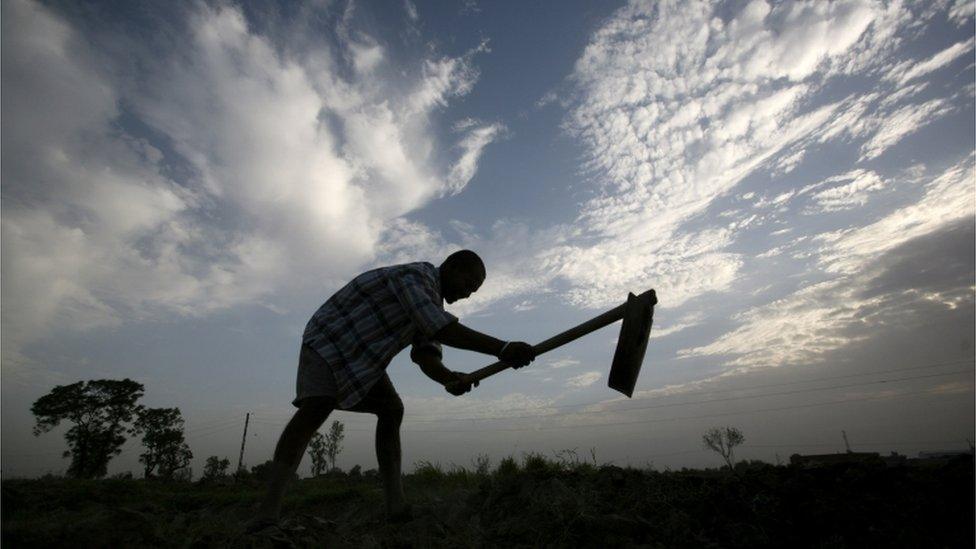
455 334
460 336
431 365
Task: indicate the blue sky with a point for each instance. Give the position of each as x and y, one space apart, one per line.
182 188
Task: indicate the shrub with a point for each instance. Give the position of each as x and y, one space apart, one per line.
482 464
567 459
458 473
262 472
536 463
751 464
335 472
215 468
427 471
507 466
183 474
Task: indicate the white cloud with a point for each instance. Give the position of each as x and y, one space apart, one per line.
954 388
962 11
295 166
473 406
471 146
882 37
677 104
562 362
680 324
793 330
947 197
858 184
791 40
584 380
366 56
850 119
828 315
676 107
787 163
75 198
546 99
935 62
411 10
902 93
901 123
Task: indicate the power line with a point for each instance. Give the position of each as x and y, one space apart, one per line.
672 404
421 417
211 422
817 445
212 432
665 420
217 426
827 378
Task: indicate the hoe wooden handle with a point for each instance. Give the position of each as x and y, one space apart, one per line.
559 340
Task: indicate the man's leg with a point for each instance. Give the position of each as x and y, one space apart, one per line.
384 401
289 451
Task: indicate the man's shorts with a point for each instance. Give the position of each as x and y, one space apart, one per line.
315 379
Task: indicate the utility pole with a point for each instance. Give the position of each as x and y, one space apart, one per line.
846 444
240 460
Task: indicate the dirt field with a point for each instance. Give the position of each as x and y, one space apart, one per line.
533 503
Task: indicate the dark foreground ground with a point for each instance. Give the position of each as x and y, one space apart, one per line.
530 504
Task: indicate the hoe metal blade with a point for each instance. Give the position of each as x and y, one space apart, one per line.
632 343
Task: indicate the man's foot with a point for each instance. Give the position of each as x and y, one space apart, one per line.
258 524
400 514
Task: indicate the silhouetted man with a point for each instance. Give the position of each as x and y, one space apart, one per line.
349 342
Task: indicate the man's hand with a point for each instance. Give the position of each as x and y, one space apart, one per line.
460 385
517 353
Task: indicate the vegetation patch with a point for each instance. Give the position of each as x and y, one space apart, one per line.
527 502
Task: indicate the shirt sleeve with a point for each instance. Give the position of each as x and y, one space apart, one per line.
422 344
416 293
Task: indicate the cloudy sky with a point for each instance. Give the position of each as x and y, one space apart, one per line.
182 188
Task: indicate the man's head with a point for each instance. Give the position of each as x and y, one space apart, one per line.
462 273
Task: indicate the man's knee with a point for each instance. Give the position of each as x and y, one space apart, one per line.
317 406
392 409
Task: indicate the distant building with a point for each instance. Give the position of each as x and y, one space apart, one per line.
894 459
945 454
821 460
939 458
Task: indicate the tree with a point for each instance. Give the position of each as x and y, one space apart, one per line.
333 442
723 441
166 449
183 474
316 449
262 471
215 468
100 410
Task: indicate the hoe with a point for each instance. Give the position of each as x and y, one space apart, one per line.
637 313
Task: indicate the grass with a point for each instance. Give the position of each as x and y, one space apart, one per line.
534 500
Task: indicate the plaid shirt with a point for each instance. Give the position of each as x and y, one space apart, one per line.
365 324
